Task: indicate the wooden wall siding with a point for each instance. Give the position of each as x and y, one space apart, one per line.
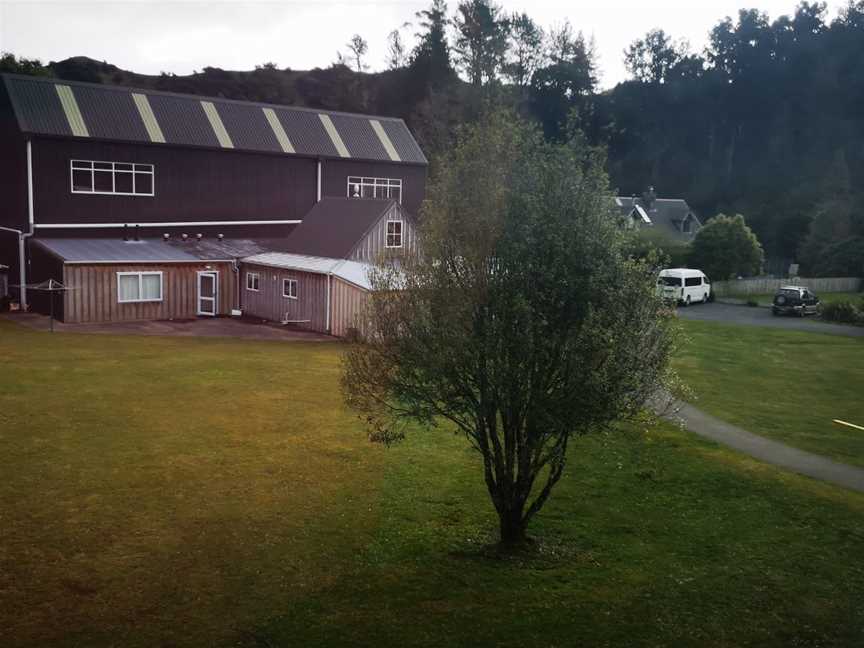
374 244
191 185
762 285
335 179
269 304
93 297
348 302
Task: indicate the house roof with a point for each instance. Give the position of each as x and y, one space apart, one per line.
85 110
334 226
352 271
116 250
665 214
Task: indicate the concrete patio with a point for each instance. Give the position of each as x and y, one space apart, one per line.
249 328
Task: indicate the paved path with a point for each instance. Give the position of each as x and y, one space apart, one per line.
247 328
773 452
751 316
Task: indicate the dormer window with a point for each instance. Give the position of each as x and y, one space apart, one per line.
687 224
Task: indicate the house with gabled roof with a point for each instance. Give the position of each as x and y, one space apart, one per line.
669 218
145 203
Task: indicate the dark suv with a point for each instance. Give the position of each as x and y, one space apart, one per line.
794 300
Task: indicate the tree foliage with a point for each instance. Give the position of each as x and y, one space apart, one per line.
526 50
481 39
725 248
653 58
430 59
358 47
523 322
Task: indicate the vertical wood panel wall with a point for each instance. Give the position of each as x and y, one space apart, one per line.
348 303
93 295
269 304
374 244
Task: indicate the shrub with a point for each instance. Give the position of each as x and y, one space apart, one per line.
843 311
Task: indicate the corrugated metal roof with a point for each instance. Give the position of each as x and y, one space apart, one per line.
110 112
334 226
352 271
115 251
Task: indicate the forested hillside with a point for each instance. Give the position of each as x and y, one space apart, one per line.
767 121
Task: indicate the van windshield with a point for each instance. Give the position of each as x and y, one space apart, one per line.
670 281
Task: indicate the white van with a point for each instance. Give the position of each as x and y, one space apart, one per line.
684 285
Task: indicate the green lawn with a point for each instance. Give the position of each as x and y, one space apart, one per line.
825 298
188 492
787 385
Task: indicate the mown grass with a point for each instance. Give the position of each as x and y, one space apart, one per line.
182 492
787 385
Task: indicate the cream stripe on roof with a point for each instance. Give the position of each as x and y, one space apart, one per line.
73 114
148 117
278 131
216 122
385 140
334 135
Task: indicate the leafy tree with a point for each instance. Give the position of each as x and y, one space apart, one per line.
526 47
397 57
725 247
565 86
11 64
651 59
358 48
431 57
834 245
523 323
481 39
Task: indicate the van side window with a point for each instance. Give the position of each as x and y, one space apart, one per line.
693 281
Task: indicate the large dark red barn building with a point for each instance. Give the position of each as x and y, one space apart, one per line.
129 195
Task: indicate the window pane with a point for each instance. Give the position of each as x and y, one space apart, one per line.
396 193
82 180
103 181
368 191
123 182
143 183
105 166
128 287
151 286
146 168
122 166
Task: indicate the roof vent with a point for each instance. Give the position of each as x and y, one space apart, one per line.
184 236
199 236
220 236
125 232
166 236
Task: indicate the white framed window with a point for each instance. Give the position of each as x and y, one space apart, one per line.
361 187
135 287
252 281
394 234
112 178
289 288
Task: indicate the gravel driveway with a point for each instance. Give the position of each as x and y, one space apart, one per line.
750 316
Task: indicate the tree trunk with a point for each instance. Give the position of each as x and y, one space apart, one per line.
512 528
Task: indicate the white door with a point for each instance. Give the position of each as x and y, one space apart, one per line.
208 293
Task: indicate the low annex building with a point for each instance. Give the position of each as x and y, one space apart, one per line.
149 205
321 279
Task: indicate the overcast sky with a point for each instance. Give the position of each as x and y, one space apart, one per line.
180 36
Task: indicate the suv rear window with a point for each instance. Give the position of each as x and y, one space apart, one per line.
788 293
